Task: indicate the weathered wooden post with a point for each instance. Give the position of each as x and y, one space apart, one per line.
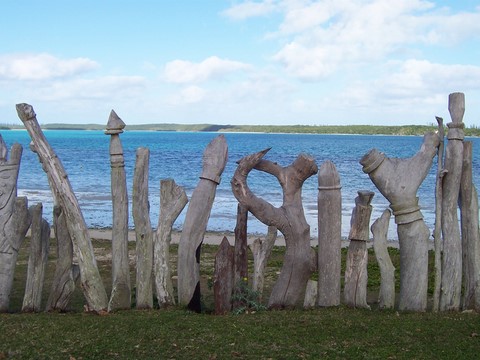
241 246
120 297
470 233
172 201
398 180
37 260
66 274
194 227
451 290
15 219
329 235
261 250
386 296
356 277
223 278
300 259
143 231
92 285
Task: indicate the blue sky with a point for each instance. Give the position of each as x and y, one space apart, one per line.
240 62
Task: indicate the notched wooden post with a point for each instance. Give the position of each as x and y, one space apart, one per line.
15 219
92 285
195 225
120 297
356 277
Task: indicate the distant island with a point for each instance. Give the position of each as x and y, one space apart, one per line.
285 129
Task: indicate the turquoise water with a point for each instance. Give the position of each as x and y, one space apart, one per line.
178 155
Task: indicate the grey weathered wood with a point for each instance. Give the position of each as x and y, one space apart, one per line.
120 297
143 231
172 201
93 289
329 235
398 180
356 277
223 278
66 273
451 290
386 296
470 233
37 260
196 219
261 249
241 247
15 219
437 231
311 293
300 258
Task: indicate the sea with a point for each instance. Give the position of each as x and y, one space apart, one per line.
178 155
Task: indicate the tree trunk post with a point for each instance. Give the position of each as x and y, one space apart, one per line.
300 259
223 278
470 233
37 261
195 225
451 291
120 297
172 201
386 296
241 247
329 235
15 219
261 250
356 277
92 285
398 180
143 231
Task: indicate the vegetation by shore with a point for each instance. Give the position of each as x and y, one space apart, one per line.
287 129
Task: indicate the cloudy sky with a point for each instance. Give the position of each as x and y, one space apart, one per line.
240 62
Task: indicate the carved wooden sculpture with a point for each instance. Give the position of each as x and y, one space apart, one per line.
93 289
356 277
143 231
329 235
261 250
223 278
398 180
451 290
15 219
470 233
386 296
120 295
194 227
300 259
37 260
172 201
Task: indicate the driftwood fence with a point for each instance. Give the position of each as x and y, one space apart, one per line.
457 241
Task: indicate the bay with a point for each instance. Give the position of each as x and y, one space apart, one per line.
178 155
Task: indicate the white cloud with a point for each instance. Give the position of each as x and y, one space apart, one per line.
42 67
250 9
188 95
183 72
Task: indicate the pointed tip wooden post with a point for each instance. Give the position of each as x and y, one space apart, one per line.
223 278
120 297
329 235
451 290
92 284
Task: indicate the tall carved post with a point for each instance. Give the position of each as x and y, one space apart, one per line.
300 259
92 285
172 201
398 180
329 235
356 276
37 260
143 231
15 219
470 233
120 296
194 227
241 247
451 291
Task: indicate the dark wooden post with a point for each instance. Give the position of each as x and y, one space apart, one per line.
240 249
223 278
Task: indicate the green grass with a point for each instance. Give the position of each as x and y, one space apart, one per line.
179 334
